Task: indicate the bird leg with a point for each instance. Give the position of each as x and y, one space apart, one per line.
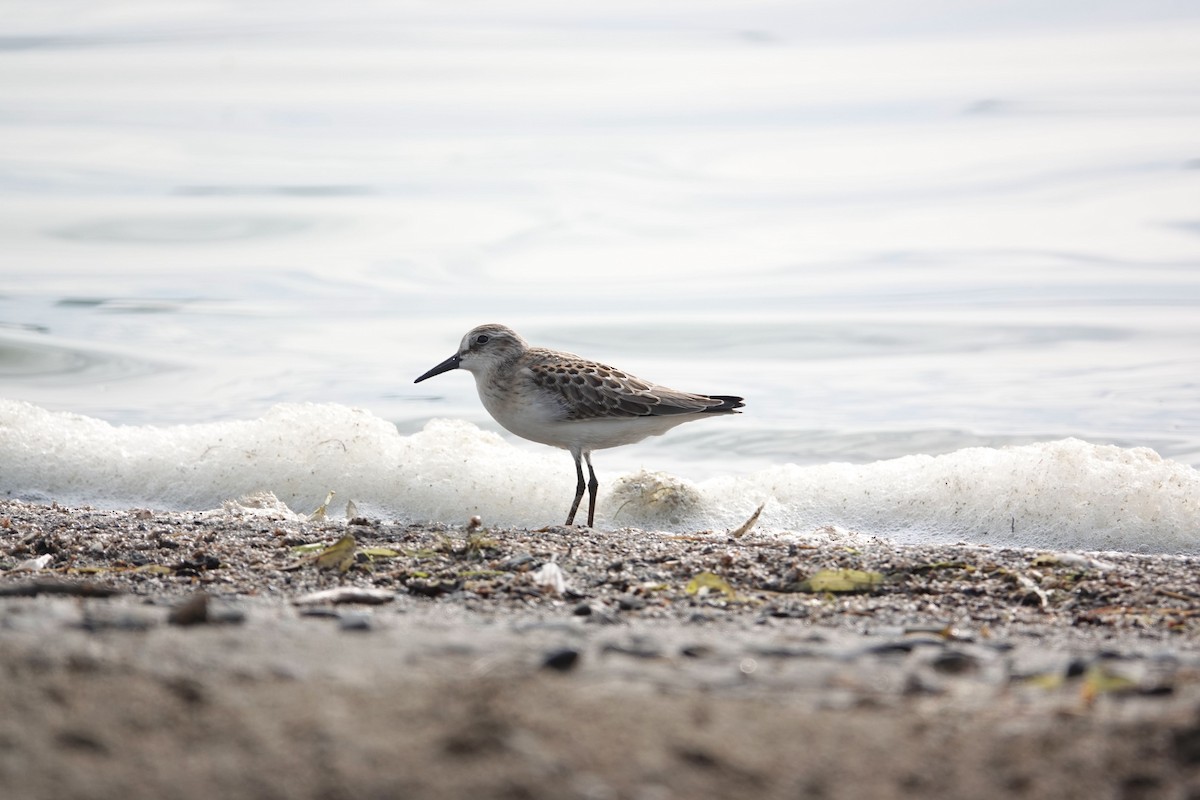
593 485
579 487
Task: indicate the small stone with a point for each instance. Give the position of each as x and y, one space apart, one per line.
325 612
193 611
120 621
582 610
72 739
355 621
1187 746
630 602
226 616
955 662
516 562
432 588
187 689
562 660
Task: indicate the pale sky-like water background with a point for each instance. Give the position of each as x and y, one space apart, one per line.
894 227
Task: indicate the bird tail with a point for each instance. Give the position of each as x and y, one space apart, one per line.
728 403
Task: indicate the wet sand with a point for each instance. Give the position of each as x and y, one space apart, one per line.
151 654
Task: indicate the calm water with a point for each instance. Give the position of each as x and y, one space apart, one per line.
896 228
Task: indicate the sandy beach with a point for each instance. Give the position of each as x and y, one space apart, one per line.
235 654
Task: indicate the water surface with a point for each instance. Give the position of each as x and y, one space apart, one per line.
895 228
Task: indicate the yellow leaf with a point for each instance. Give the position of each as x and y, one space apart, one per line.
1098 680
707 580
379 552
339 555
842 580
1046 680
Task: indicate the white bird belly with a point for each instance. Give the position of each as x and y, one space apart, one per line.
534 416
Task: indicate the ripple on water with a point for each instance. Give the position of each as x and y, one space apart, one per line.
47 360
177 229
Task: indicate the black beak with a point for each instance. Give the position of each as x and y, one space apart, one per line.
450 363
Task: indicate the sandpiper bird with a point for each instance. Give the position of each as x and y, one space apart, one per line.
570 402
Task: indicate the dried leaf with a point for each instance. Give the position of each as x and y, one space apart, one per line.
481 573
707 582
379 552
1071 560
1046 680
942 565
339 555
346 594
745 527
322 509
842 580
1098 680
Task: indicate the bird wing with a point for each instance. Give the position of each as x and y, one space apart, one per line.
590 390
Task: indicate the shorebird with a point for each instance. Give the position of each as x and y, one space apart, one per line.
565 401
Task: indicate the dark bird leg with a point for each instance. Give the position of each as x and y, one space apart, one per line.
579 486
593 485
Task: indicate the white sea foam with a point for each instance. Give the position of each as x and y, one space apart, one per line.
1066 494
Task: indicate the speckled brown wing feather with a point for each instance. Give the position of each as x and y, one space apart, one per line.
591 390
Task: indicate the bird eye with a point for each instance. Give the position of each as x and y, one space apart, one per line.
482 338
